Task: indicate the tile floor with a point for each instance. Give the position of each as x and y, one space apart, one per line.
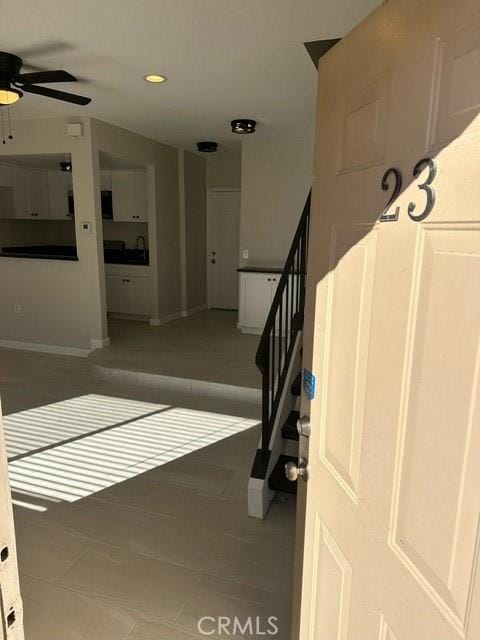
201 347
145 558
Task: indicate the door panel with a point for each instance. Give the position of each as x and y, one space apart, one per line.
441 390
348 324
389 518
10 600
223 218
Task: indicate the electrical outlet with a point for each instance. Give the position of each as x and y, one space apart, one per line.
245 254
17 308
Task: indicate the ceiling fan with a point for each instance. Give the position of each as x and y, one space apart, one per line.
13 83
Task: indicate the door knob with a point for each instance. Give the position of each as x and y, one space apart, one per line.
303 426
294 471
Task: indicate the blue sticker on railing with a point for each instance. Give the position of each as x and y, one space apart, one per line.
309 382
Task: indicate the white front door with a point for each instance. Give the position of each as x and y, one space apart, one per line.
11 613
223 220
391 510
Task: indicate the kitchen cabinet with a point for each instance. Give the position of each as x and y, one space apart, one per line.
7 207
129 195
59 184
105 181
30 193
256 294
128 290
6 177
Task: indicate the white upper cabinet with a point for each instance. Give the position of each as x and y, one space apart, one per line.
141 195
7 208
129 195
30 193
6 178
59 183
123 196
105 181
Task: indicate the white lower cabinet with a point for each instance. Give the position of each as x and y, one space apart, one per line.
128 290
256 294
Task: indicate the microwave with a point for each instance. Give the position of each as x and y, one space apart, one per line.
106 204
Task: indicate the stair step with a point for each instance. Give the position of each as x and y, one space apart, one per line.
277 480
296 387
289 429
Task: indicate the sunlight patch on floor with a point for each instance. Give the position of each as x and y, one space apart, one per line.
75 470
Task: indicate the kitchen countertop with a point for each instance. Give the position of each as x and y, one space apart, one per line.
260 269
40 252
57 252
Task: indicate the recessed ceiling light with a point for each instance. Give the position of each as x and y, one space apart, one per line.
154 77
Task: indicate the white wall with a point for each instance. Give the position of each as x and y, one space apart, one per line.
224 170
195 230
61 302
276 178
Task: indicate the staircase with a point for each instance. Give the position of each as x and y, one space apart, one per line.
279 359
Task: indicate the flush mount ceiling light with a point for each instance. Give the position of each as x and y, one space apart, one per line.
243 125
207 147
9 96
155 78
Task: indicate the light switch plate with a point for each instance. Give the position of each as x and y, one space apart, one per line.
86 227
245 254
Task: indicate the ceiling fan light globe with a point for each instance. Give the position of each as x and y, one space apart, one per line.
9 96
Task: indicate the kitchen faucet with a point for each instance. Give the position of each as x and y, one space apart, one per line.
137 246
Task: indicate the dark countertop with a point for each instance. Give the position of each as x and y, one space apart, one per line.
40 252
56 252
260 269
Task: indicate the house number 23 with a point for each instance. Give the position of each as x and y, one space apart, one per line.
425 186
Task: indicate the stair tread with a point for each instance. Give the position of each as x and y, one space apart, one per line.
296 387
289 429
277 480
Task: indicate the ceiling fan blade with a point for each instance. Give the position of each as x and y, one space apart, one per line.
57 95
44 77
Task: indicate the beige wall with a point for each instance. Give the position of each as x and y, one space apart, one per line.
50 314
224 170
195 230
276 177
163 204
63 303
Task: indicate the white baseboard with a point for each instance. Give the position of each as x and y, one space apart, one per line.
193 310
157 322
100 343
45 348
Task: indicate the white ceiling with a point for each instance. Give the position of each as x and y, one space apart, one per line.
223 59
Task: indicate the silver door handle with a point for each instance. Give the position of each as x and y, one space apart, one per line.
294 471
303 426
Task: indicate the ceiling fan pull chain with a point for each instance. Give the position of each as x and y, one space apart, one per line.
3 127
10 135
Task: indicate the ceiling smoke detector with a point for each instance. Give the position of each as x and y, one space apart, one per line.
207 147
243 125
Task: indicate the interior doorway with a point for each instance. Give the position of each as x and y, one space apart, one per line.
223 223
